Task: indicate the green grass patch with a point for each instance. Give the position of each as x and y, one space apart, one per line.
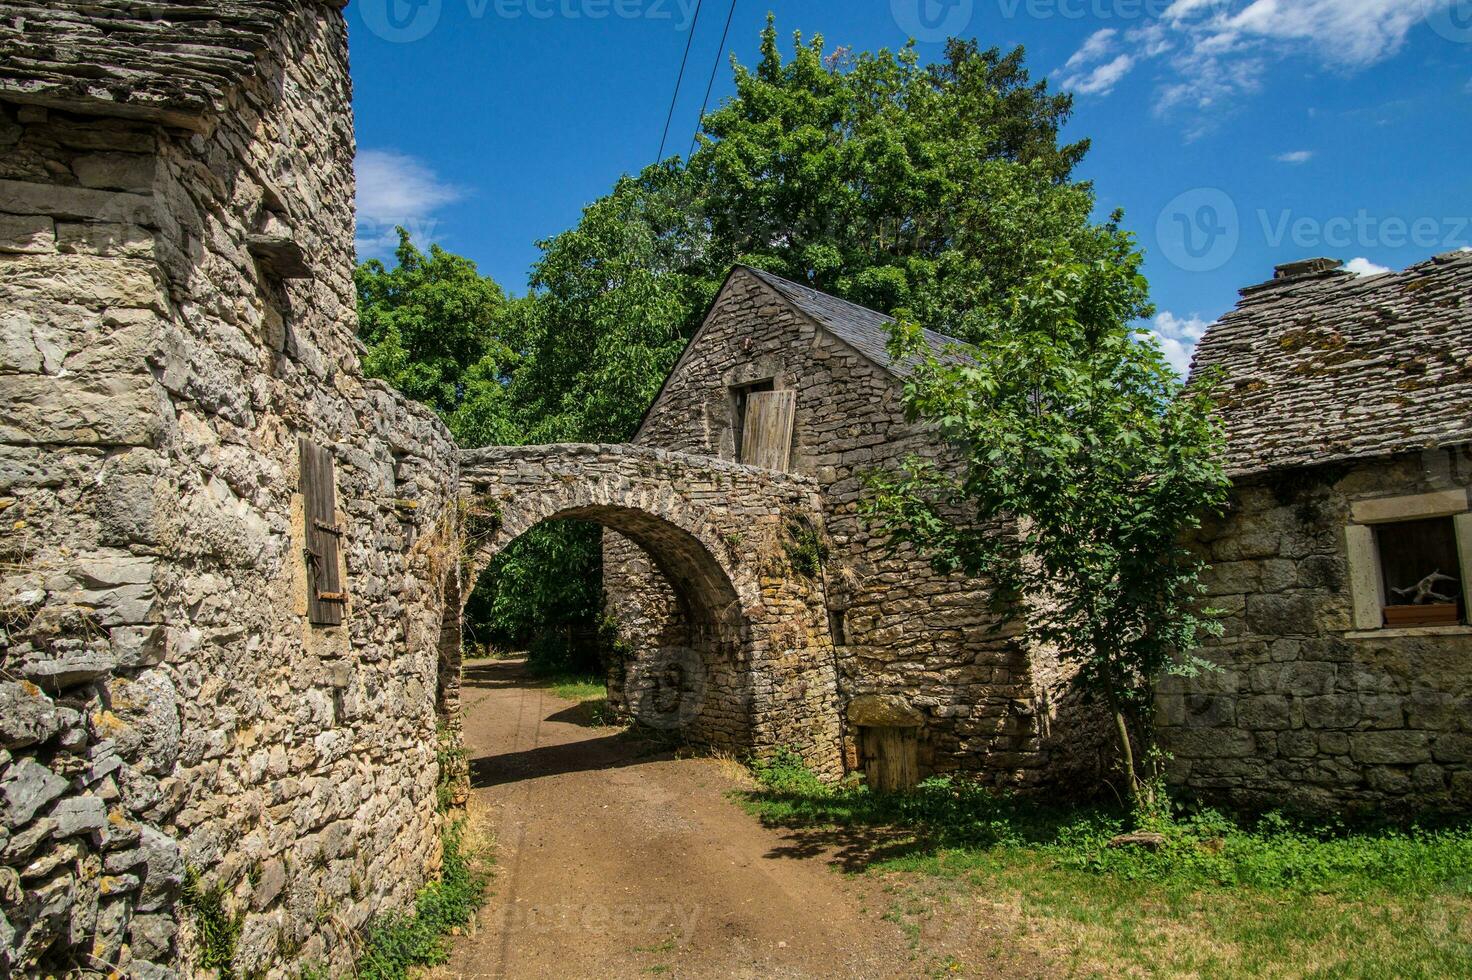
393 944
1223 896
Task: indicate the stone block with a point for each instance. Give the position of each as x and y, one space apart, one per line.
132 172
79 815
27 234
1452 748
1277 615
1265 713
80 410
78 203
27 715
1390 748
26 788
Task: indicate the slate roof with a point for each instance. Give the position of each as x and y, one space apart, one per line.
866 330
1327 366
162 60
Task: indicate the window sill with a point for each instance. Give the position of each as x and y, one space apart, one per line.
1389 633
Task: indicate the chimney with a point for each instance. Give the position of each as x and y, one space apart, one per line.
1293 272
1307 267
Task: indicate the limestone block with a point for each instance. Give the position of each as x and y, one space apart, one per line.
81 409
116 171
27 715
32 234
26 787
79 815
79 203
1390 747
884 711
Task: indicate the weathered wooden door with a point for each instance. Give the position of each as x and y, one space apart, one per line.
766 432
891 758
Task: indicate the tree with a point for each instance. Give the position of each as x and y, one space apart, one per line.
927 191
1074 434
433 326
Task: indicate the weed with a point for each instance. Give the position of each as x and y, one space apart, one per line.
454 769
394 943
218 930
807 552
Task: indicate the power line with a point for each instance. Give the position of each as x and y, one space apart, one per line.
712 83
679 80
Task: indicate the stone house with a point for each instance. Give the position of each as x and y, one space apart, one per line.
1343 566
184 417
929 679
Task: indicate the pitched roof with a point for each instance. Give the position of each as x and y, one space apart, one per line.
1326 366
866 330
173 63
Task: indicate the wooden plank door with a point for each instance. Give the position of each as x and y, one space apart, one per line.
891 758
766 432
325 595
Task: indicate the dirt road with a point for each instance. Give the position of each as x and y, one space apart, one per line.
616 860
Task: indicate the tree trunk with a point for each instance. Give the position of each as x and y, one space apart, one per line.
1126 750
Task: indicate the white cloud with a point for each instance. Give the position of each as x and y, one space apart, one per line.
1295 157
397 189
1178 337
1364 267
1096 68
1214 51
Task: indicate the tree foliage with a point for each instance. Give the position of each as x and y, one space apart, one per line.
1073 433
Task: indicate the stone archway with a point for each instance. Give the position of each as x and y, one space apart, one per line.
752 668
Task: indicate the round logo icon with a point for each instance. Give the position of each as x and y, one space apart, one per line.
1452 19
400 21
666 688
1199 231
932 20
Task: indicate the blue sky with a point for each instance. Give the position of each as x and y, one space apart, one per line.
1235 134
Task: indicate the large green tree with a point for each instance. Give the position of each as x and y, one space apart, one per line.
1074 433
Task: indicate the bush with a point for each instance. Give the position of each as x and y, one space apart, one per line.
394 943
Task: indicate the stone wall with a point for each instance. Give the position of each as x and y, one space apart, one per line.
747 665
164 703
916 641
1306 710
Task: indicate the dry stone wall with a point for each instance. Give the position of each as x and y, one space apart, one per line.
165 707
1305 710
913 641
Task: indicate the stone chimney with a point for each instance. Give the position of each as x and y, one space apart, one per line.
1293 272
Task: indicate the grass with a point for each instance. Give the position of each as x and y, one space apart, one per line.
1224 897
589 693
394 944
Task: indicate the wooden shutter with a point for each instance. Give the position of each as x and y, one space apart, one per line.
325 597
766 432
891 758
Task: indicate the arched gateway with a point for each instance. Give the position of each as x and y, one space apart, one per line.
749 665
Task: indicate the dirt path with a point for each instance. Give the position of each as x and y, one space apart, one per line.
618 861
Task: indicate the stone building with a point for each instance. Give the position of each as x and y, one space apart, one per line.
183 417
929 679
1343 565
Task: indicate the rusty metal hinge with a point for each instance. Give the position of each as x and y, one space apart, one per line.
329 528
332 597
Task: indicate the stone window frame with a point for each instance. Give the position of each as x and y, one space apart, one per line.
1366 587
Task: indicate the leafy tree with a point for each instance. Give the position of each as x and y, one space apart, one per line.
432 326
1072 431
923 190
